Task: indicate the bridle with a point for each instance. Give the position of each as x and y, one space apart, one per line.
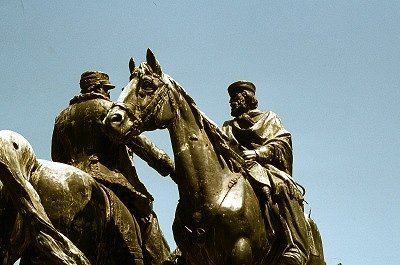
140 115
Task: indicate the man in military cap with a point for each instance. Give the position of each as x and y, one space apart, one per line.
260 139
78 140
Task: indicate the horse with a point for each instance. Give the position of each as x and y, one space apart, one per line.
53 213
218 219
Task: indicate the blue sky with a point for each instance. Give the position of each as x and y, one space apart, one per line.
330 69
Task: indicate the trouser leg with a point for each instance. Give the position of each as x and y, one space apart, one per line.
155 247
292 217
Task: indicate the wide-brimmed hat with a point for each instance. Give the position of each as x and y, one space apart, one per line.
241 85
91 79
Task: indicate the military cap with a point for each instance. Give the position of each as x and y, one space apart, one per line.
241 85
91 79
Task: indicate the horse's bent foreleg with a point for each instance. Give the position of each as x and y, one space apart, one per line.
241 253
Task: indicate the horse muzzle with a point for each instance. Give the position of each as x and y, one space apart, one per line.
118 125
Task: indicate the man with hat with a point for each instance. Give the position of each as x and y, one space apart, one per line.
78 140
266 147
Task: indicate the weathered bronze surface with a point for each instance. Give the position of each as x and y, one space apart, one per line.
219 219
52 213
238 201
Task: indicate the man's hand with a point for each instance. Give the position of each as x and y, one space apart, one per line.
249 155
165 165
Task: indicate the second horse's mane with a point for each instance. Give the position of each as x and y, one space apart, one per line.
217 137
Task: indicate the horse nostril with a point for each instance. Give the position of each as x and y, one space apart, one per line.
116 118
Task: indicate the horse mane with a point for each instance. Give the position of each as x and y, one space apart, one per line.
219 140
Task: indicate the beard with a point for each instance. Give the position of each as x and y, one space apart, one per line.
238 108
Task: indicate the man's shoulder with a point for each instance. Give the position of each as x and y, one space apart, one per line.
93 103
90 98
255 115
259 114
256 112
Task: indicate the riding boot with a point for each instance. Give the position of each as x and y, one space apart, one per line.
155 247
294 223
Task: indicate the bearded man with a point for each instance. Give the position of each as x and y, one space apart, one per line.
261 140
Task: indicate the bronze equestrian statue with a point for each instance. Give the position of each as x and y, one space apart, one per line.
219 219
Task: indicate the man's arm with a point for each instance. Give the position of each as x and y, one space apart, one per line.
278 149
154 156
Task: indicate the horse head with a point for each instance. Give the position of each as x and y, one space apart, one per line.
16 154
145 103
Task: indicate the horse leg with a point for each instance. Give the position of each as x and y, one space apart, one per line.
241 253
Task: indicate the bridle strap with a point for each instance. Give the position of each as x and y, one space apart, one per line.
126 107
158 99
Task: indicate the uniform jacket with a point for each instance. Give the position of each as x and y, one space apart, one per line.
78 139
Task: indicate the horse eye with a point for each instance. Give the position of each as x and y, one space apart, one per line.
146 83
147 86
15 145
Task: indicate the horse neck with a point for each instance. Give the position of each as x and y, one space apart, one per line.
198 169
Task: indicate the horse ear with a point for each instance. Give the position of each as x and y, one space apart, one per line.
152 62
131 65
